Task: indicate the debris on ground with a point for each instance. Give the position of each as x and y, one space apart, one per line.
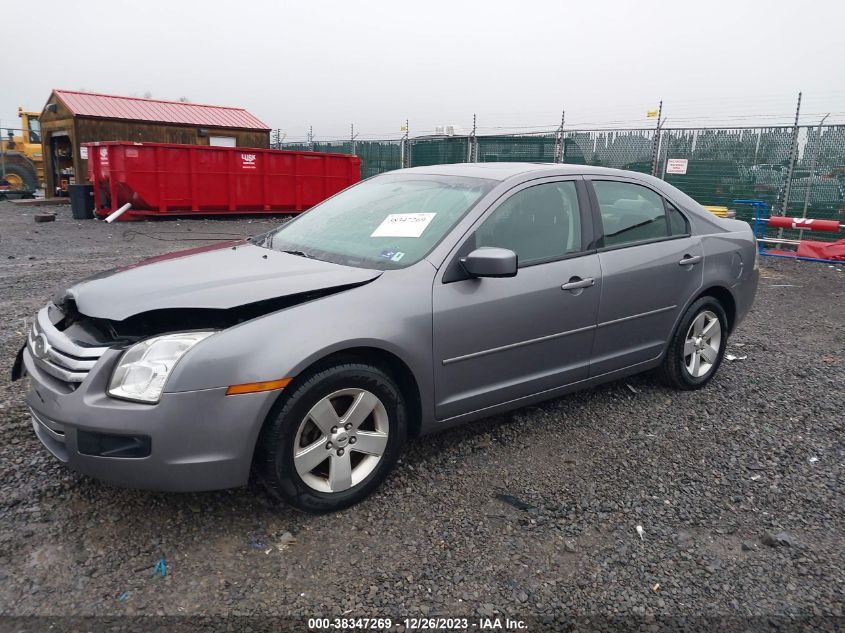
44 217
640 532
255 541
632 388
160 568
732 357
516 502
286 539
777 540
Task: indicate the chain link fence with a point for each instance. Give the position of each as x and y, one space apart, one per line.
798 171
539 148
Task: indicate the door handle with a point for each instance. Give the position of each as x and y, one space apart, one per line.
689 260
576 283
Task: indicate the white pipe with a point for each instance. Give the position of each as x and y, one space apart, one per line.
774 241
114 216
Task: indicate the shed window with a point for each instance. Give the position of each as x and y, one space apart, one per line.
222 141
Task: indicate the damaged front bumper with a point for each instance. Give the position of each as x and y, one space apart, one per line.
189 441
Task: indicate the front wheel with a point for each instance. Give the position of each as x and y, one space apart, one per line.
698 346
334 439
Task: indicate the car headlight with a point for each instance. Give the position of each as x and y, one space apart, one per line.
143 369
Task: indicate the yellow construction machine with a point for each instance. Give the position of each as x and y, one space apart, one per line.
21 162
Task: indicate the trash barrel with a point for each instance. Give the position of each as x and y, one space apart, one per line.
82 201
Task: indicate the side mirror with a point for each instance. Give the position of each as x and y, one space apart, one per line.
489 261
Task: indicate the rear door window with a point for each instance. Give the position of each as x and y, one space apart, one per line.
630 213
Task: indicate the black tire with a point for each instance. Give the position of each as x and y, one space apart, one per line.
673 371
274 462
26 173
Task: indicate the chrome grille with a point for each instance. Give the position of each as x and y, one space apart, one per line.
56 354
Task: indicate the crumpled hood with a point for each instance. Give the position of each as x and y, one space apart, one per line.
221 276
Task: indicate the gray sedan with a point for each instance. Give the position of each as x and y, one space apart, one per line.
412 302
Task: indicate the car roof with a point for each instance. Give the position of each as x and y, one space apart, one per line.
528 171
504 171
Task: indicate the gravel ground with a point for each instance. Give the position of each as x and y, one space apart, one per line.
738 488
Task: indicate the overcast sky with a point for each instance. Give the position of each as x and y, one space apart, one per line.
375 63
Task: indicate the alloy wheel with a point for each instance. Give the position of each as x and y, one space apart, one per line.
341 440
702 344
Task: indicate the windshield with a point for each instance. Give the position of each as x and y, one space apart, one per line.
390 221
34 130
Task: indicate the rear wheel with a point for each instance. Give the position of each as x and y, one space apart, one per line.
334 439
698 346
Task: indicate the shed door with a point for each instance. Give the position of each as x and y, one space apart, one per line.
222 141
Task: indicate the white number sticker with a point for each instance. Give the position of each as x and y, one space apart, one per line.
403 225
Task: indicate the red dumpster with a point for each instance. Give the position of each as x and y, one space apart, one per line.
160 179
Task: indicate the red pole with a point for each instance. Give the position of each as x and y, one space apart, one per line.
828 226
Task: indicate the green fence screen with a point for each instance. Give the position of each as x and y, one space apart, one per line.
797 171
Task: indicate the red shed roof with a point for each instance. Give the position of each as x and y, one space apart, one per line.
154 110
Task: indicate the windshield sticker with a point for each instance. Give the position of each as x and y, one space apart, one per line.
403 225
392 254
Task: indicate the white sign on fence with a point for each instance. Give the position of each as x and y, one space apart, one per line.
676 166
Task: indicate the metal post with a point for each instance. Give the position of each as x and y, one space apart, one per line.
656 145
472 155
793 155
406 146
666 159
352 136
2 154
813 161
402 150
560 149
757 145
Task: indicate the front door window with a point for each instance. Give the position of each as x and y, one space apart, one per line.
540 223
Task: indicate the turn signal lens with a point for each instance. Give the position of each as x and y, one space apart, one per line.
255 387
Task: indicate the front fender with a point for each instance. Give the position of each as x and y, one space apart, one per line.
393 314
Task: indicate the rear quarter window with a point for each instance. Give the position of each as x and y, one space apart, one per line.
678 224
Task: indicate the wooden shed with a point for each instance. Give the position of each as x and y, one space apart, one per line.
70 118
